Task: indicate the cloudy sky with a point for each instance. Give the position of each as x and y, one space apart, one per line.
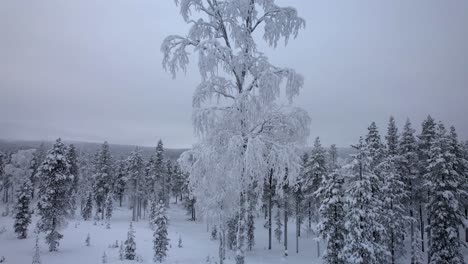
91 70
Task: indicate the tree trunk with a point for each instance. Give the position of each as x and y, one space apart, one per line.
318 248
285 228
120 200
270 205
412 235
392 246
241 230
298 227
194 216
310 216
134 212
222 245
421 222
428 239
466 228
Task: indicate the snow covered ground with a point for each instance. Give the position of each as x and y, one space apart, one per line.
197 245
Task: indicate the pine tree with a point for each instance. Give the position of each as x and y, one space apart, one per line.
447 187
23 213
178 180
109 207
168 183
153 211
104 257
135 172
73 188
416 249
298 197
37 253
316 169
88 240
425 141
39 157
87 210
55 176
374 145
394 217
363 228
103 178
160 172
279 226
120 181
407 162
331 225
392 137
160 235
130 245
332 158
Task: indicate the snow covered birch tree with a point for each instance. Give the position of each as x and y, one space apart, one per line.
244 131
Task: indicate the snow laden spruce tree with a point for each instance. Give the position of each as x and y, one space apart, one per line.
444 208
332 212
316 169
394 216
102 178
407 160
109 208
130 245
244 131
53 206
23 212
362 243
73 188
160 235
37 253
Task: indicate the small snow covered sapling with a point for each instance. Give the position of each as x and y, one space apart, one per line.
36 256
104 257
214 233
179 244
88 240
130 245
3 259
121 251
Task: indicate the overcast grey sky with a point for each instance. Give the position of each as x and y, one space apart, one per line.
91 70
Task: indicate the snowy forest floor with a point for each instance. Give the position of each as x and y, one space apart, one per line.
197 245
